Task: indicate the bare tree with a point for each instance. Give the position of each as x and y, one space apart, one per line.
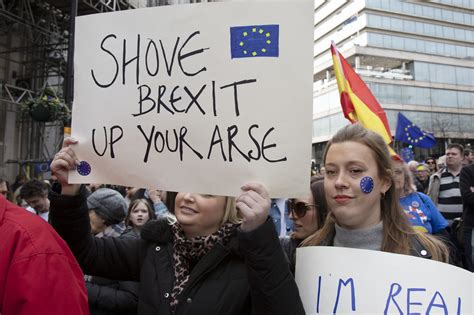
443 126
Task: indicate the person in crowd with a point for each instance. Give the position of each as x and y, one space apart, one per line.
423 176
432 165
38 272
471 157
221 256
466 182
441 162
322 171
4 189
139 213
412 166
280 216
444 185
158 199
35 193
308 215
107 208
20 179
419 209
468 157
363 201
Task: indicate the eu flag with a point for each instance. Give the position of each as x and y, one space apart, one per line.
410 133
254 41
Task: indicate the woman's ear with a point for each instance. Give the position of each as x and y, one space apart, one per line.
386 184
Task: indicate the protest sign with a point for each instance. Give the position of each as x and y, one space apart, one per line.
199 98
335 280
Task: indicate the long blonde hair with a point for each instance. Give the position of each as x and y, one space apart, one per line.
397 231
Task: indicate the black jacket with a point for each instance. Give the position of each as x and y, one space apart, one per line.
466 181
249 275
112 297
107 297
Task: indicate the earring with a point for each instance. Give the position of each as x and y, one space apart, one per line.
382 195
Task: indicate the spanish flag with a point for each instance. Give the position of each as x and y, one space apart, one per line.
358 103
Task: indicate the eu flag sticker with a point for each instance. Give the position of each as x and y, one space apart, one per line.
254 41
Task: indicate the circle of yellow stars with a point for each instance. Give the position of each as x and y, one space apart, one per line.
260 31
413 140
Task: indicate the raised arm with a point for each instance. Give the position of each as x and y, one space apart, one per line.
272 285
106 257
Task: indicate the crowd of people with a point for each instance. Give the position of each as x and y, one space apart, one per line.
148 251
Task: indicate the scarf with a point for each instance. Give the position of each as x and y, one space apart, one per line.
189 251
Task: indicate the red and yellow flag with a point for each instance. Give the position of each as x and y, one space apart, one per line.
358 103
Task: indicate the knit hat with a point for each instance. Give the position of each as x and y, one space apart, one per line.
108 204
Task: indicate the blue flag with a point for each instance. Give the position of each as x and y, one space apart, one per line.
254 41
410 133
407 155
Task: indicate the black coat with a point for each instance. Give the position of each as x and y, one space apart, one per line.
249 275
112 297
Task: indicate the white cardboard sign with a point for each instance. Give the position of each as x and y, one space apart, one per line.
200 98
335 280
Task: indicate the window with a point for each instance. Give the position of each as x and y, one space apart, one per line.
459 34
461 51
422 72
320 127
444 98
409 26
448 32
374 20
428 12
465 99
397 24
429 29
465 76
465 123
447 15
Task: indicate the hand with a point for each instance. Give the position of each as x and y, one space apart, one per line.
64 161
254 205
154 195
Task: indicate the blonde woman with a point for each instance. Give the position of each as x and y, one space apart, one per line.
220 256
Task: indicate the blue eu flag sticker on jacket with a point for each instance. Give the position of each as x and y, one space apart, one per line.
254 41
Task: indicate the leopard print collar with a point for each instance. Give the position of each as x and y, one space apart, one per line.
188 251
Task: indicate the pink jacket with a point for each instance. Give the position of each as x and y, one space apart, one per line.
38 273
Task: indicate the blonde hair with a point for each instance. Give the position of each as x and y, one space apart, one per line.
231 215
397 231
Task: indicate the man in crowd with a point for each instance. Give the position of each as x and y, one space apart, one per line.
38 272
467 194
444 184
35 193
468 157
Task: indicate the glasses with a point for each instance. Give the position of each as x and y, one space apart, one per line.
430 162
299 209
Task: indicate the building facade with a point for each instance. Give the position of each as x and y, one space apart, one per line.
417 57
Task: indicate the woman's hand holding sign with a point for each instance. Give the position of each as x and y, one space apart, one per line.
254 206
64 161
